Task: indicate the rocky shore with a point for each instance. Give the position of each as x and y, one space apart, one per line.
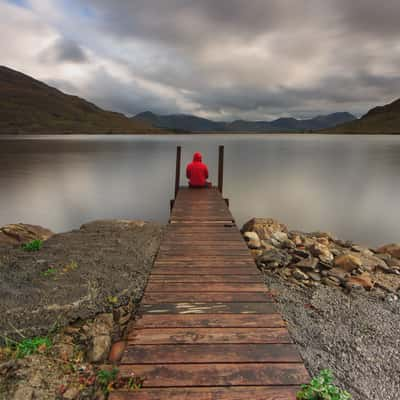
341 302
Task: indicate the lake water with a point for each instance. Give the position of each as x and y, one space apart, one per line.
348 185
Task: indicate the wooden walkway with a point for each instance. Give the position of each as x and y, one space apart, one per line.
208 329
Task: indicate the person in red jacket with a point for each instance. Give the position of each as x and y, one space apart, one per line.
197 172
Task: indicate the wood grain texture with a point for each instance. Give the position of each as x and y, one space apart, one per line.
184 375
211 393
208 335
210 321
206 297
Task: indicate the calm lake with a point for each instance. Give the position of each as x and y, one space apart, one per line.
348 185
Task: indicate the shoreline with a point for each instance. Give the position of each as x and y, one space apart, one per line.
197 133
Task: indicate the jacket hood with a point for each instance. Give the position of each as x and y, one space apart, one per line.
197 157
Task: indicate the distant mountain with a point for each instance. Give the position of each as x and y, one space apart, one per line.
383 119
180 122
30 106
190 123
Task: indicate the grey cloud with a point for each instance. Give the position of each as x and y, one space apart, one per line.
111 93
237 58
65 50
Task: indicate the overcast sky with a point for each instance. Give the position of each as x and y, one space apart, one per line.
221 59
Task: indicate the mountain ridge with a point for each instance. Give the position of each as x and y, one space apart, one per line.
192 123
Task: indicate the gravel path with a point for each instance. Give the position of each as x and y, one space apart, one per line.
356 335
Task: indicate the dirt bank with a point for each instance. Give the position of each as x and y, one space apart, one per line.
75 275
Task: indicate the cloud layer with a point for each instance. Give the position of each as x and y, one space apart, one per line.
222 59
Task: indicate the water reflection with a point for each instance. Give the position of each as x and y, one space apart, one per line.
346 185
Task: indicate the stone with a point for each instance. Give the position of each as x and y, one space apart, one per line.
23 392
357 249
117 349
347 262
308 263
274 259
252 239
323 240
102 325
279 236
390 283
288 244
393 262
363 280
256 253
302 253
391 298
266 246
322 252
100 348
300 275
371 263
23 233
286 272
264 227
331 281
297 240
393 249
338 273
71 393
315 276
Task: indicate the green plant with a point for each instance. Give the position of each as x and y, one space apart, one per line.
106 378
32 346
34 245
135 382
49 272
322 388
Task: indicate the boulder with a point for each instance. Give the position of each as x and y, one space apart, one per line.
348 262
363 280
252 239
23 233
322 252
274 259
308 263
100 348
392 249
264 227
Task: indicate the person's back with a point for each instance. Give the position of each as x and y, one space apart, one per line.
197 172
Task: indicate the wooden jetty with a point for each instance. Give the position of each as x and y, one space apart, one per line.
207 327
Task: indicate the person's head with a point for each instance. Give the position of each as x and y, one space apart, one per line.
197 157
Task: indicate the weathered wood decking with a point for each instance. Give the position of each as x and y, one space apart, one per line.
208 329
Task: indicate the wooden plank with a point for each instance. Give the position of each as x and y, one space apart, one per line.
205 297
222 263
247 271
181 375
206 278
208 335
209 308
211 393
211 353
212 287
210 321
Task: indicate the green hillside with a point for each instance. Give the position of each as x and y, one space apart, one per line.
28 106
379 120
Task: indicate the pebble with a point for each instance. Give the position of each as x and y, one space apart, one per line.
300 275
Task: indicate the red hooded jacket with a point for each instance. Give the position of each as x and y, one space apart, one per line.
197 172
